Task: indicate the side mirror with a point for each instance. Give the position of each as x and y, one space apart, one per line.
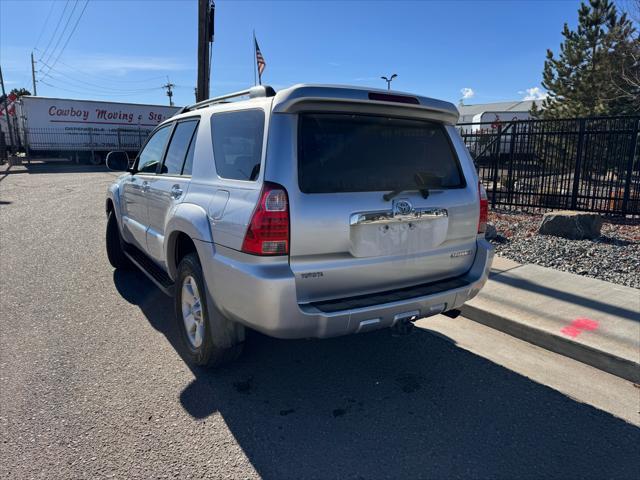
117 161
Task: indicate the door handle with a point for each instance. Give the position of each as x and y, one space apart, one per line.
145 186
176 191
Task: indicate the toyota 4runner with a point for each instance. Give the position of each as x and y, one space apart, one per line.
316 211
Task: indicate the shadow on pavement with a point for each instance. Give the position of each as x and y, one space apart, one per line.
378 406
51 167
529 286
4 172
64 167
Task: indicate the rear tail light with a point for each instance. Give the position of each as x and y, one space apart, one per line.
268 232
484 209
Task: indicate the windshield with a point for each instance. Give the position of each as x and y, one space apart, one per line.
366 153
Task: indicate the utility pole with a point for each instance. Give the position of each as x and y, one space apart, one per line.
169 86
33 74
206 12
6 114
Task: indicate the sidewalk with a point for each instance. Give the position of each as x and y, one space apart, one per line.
592 321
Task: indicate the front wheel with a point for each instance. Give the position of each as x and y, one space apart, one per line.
207 337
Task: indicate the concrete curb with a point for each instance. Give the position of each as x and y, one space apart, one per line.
599 359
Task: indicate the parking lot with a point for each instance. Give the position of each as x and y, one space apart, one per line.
92 386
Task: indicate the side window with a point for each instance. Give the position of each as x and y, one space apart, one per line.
188 162
177 151
237 143
151 154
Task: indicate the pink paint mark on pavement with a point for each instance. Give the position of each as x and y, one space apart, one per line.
578 326
571 331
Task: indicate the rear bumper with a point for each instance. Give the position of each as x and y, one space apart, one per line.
261 294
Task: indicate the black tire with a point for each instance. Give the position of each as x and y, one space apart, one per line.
114 242
223 340
95 159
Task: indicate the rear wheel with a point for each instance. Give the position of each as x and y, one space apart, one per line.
95 158
114 243
207 337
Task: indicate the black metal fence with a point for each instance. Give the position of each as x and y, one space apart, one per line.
84 139
578 164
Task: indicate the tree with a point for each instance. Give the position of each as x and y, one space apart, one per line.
595 70
628 82
632 7
20 92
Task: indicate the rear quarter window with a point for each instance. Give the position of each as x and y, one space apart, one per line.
362 153
237 143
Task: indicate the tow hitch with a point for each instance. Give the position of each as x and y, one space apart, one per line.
403 322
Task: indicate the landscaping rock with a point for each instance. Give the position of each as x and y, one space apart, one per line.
491 232
571 225
612 257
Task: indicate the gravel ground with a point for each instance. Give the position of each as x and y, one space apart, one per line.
614 256
92 387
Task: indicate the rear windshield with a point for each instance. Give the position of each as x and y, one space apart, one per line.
365 153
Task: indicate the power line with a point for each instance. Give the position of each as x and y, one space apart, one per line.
73 30
99 90
70 35
44 26
50 71
103 77
64 29
93 93
90 84
55 30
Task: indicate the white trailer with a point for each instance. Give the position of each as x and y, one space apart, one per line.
492 119
85 129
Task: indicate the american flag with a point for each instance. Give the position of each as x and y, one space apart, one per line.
260 60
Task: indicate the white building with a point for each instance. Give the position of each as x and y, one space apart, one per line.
497 112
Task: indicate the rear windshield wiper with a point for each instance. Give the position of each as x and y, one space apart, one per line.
420 182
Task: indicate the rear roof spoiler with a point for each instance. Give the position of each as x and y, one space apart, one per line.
337 98
257 91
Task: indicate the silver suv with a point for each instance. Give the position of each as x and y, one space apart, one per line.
316 211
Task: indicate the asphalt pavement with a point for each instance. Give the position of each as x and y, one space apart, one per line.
91 385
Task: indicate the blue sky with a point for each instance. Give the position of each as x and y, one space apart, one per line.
125 50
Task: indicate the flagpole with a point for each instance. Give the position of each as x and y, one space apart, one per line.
255 58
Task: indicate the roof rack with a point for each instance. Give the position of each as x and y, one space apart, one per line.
253 92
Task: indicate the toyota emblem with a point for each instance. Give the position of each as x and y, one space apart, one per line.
402 207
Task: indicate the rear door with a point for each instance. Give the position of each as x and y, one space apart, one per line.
135 188
347 237
238 139
169 187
